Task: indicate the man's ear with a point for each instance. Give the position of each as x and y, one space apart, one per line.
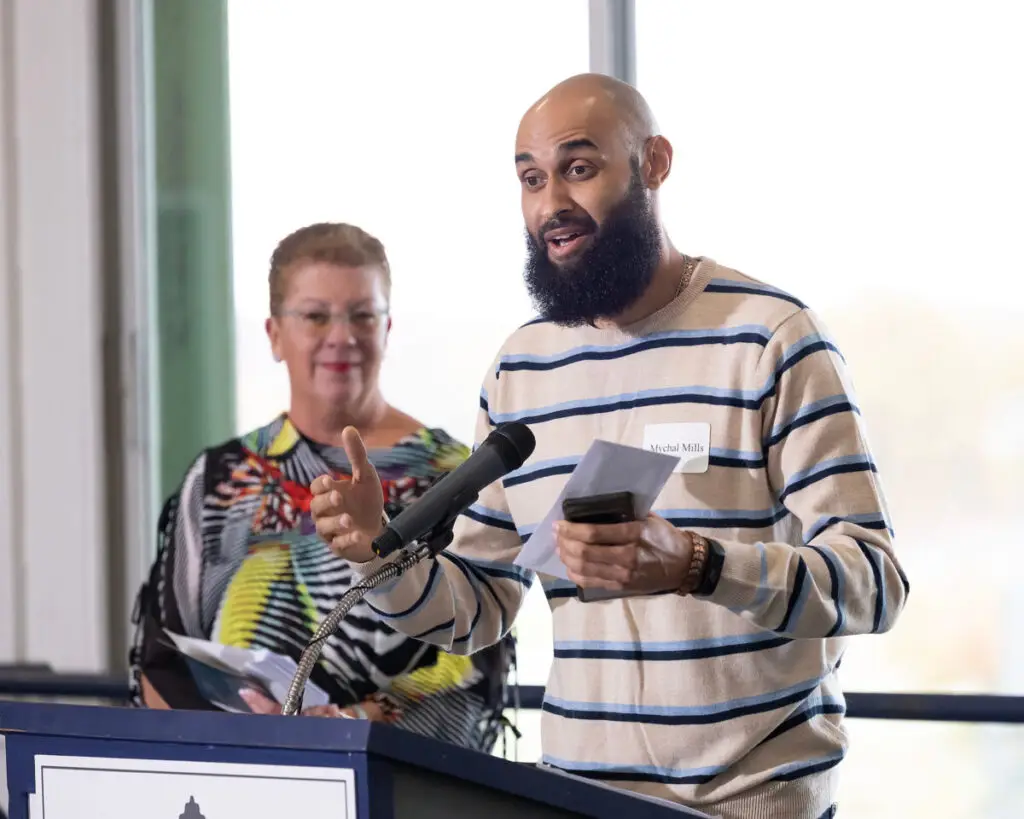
657 162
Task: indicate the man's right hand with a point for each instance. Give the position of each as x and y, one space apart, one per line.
349 514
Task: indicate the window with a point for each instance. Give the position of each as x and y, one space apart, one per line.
884 185
400 118
867 158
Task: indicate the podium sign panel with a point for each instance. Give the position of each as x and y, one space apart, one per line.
88 762
70 787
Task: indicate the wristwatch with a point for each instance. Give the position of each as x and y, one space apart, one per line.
705 566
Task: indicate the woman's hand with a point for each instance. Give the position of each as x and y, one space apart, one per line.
375 709
261 704
349 514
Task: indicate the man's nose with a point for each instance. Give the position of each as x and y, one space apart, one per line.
556 200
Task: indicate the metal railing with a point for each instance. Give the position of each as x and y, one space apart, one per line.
40 682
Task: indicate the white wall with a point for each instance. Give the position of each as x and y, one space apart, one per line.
52 501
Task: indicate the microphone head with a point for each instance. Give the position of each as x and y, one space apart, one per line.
514 443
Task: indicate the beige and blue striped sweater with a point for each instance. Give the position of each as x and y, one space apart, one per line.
732 703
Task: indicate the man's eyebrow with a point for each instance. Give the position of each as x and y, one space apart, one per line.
566 147
576 144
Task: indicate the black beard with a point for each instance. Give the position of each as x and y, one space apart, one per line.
606 279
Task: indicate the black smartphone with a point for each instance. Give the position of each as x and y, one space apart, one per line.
614 507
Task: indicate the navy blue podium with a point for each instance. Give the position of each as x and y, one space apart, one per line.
391 774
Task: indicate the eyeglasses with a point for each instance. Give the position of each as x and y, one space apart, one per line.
317 322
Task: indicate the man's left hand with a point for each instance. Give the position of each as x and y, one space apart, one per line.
643 557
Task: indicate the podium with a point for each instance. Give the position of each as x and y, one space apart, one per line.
89 762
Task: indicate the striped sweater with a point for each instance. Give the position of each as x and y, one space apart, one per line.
730 703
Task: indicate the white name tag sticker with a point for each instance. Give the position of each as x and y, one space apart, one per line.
691 443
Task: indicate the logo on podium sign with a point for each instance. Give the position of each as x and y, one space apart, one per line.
75 787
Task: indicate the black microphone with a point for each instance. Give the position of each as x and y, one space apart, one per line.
505 449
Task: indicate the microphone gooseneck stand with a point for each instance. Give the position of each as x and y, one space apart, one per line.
428 546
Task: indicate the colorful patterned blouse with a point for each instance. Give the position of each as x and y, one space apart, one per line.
240 563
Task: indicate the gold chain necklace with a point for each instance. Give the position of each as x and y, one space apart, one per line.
689 265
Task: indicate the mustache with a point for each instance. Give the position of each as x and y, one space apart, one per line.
583 222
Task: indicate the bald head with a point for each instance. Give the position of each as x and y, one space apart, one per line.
597 112
590 163
597 97
585 145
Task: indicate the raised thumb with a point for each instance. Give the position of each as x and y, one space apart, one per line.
356 451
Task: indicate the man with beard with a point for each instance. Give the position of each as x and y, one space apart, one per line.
711 680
